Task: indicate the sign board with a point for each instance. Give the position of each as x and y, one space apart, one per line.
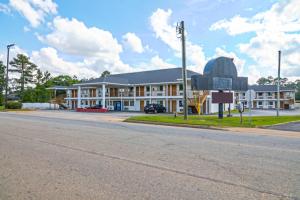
250 95
222 97
222 83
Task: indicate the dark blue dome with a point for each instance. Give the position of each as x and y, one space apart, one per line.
220 67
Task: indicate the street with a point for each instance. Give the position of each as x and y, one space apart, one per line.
49 156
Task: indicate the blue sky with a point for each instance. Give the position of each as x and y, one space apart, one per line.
84 39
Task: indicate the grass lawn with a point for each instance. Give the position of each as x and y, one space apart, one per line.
1 108
213 121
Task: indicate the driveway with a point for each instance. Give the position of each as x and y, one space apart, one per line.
293 126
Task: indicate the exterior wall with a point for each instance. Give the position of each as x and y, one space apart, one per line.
268 100
164 93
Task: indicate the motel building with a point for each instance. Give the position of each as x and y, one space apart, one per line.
266 97
133 91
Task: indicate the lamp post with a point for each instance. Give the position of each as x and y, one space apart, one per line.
6 80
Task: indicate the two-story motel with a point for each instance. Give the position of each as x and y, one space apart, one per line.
132 91
266 97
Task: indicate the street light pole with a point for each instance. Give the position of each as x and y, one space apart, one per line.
278 83
6 80
180 32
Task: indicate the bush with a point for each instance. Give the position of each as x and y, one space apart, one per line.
14 105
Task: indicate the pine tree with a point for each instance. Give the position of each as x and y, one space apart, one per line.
22 65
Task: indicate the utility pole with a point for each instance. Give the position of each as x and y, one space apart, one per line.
6 80
278 83
180 34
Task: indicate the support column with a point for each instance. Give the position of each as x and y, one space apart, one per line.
150 93
134 97
103 96
79 97
167 99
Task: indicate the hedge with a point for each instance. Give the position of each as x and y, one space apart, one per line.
14 105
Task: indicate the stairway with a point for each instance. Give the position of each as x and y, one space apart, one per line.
198 100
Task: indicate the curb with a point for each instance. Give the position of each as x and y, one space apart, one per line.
175 125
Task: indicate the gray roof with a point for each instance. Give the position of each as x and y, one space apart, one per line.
59 87
269 88
153 76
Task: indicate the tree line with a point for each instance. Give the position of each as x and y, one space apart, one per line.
30 83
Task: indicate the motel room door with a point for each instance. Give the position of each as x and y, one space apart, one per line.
142 105
173 106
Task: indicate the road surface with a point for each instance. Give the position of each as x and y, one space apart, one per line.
49 157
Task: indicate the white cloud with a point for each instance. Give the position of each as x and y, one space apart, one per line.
34 11
158 62
4 8
97 49
254 74
275 29
236 25
160 23
48 59
74 37
26 29
134 42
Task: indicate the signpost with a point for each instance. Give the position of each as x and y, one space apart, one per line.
250 96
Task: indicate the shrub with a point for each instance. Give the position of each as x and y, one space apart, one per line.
14 105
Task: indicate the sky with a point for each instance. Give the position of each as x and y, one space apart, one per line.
84 38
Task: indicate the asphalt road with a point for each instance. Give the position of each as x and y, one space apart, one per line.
44 157
293 126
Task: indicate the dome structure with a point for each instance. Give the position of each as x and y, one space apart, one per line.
220 67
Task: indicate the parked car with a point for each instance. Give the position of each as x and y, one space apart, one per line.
98 106
154 108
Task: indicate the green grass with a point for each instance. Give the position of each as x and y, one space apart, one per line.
1 108
213 121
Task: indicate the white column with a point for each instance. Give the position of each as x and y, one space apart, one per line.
150 93
134 96
79 97
103 95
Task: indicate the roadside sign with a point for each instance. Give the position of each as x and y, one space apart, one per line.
222 97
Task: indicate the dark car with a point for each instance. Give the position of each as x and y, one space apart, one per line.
98 106
154 108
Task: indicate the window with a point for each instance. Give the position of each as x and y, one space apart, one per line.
180 103
269 94
260 94
260 103
126 103
131 103
161 103
180 87
271 103
147 102
161 88
148 88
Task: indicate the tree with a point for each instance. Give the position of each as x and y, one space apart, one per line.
22 65
263 81
105 73
41 77
2 81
